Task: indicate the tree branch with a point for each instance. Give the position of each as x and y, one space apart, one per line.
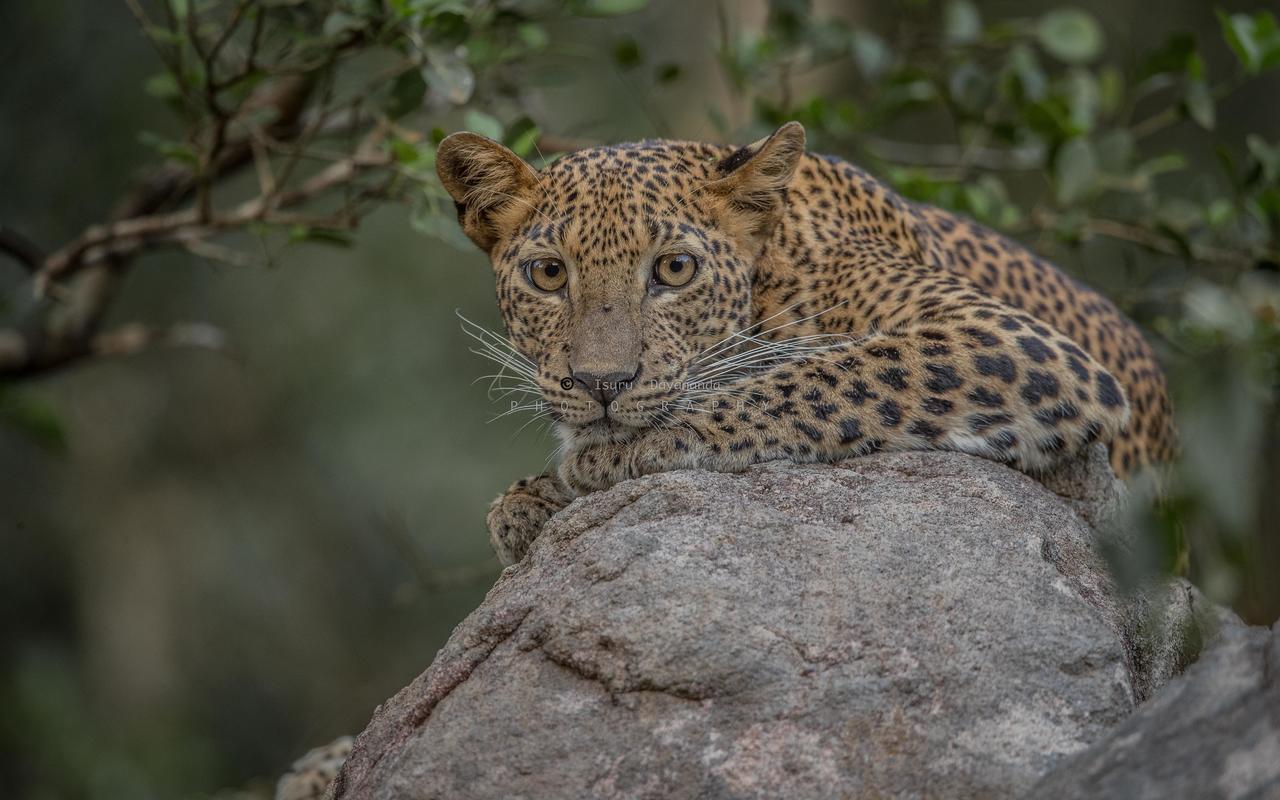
20 249
129 236
1159 243
55 331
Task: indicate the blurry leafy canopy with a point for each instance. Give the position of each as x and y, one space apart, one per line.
333 107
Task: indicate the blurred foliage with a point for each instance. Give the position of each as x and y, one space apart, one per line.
234 497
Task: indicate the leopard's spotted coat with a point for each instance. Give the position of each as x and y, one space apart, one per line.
962 338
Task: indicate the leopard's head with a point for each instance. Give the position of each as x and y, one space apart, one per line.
617 268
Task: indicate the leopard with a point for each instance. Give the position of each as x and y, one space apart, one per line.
687 305
631 278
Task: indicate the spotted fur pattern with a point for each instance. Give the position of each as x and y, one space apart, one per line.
958 338
310 776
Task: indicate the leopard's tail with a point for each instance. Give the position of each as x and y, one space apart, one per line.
310 776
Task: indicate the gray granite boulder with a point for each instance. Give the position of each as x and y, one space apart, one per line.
901 625
1211 734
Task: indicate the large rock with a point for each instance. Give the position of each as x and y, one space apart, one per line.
1211 733
905 625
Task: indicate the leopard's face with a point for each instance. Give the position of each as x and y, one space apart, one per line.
619 280
617 269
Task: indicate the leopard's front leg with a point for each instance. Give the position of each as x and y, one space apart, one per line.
599 466
517 515
983 380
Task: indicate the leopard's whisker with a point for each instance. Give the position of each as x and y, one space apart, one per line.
503 383
557 453
505 360
541 415
770 354
491 340
818 343
745 332
497 380
519 408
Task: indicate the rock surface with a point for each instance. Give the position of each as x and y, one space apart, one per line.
901 625
1211 733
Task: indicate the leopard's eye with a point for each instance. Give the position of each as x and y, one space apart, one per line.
547 274
674 269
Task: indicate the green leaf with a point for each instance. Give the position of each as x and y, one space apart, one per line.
406 94
33 418
1075 170
522 136
1171 57
626 53
340 22
1255 39
870 53
405 153
905 89
1267 156
534 36
168 148
450 29
609 8
483 124
1070 226
1025 67
329 236
1160 165
987 200
1070 35
447 73
1111 89
827 40
1199 104
1114 150
961 22
1219 212
1178 214
970 87
788 20
1083 98
163 85
668 73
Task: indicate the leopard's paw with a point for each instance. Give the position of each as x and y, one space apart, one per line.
597 467
310 776
516 517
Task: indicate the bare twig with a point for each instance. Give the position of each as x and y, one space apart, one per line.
1174 113
128 236
60 327
227 32
1160 243
221 253
176 205
136 337
20 248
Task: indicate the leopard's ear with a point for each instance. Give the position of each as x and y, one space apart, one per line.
491 186
755 175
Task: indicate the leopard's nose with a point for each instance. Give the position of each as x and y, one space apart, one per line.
605 387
